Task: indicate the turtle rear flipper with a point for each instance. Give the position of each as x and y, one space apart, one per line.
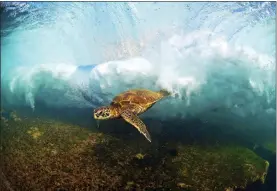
134 120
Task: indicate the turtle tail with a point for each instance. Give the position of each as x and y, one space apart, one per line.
164 92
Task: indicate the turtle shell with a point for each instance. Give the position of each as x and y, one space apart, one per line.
142 98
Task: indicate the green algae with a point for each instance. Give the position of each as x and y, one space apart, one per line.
139 156
217 168
263 177
66 156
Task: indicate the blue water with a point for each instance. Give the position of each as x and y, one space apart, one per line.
218 59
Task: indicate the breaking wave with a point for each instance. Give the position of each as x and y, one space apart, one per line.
218 59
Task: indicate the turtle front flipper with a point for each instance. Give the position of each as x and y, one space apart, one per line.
134 120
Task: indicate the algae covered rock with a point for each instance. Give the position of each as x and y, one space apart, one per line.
219 167
49 154
41 154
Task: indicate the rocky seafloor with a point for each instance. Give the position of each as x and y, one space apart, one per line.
44 154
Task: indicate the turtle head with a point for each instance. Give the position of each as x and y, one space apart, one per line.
102 113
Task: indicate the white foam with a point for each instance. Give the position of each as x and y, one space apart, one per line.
184 68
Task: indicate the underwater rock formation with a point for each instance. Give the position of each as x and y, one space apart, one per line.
45 154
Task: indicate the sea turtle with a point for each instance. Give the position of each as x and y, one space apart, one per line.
129 105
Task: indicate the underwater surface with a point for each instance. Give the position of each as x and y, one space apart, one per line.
62 60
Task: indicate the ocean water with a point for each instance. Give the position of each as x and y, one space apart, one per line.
61 60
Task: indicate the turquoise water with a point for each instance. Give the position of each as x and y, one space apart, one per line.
216 58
